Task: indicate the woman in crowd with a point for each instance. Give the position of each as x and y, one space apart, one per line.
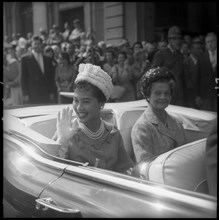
123 76
92 55
57 52
110 62
64 77
12 78
156 132
101 50
91 58
150 49
88 138
140 66
80 55
137 46
185 50
48 51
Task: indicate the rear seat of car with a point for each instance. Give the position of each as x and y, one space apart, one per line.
182 167
195 130
125 123
45 126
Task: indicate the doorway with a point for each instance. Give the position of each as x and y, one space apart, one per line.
70 15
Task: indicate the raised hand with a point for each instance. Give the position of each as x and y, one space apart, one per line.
64 125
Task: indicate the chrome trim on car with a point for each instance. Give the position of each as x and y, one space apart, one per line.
22 142
145 187
48 203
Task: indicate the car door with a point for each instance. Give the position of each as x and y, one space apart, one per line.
83 191
26 174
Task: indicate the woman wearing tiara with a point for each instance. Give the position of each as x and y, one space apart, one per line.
88 138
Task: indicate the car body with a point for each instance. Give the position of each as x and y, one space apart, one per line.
37 183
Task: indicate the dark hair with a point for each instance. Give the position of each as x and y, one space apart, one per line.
65 56
123 53
159 74
84 85
37 38
48 49
110 51
137 43
13 47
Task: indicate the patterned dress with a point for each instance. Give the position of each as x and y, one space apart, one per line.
108 150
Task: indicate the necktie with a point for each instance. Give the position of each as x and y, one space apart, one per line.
40 62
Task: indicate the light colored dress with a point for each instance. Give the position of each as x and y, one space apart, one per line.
150 137
107 152
16 95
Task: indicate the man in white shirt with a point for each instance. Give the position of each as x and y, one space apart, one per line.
37 75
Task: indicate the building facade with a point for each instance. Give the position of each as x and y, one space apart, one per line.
112 21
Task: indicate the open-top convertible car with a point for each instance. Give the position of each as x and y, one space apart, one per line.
37 183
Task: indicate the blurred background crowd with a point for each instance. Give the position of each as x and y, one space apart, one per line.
192 59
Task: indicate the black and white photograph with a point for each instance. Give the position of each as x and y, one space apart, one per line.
109 109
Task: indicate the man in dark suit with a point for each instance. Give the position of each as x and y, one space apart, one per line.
172 58
37 75
206 97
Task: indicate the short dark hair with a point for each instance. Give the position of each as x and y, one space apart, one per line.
111 51
84 85
137 43
123 53
48 49
37 38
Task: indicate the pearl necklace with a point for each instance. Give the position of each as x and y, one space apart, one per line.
93 135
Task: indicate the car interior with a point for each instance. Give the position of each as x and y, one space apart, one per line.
182 167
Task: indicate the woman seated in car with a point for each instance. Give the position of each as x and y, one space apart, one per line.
156 132
88 138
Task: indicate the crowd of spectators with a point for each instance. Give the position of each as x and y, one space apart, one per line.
126 63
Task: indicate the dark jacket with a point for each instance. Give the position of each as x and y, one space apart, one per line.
206 76
174 62
36 84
